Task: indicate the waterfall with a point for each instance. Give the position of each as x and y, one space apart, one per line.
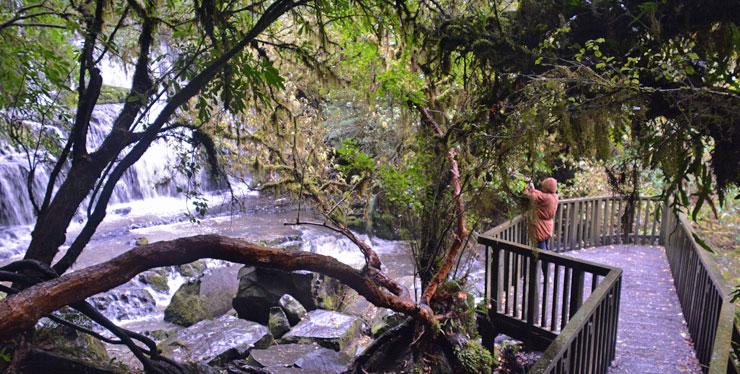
152 177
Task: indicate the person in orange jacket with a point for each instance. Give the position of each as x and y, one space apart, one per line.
545 206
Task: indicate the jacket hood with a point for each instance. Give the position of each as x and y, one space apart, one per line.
550 185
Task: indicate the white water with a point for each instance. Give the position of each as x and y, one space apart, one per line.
149 187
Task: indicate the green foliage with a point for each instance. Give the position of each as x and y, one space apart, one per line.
112 95
352 162
474 358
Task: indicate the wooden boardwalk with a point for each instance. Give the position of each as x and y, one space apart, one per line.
652 336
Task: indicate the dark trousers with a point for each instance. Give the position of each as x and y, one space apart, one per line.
544 245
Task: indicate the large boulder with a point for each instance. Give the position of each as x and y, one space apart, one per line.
327 328
216 341
69 343
308 358
261 288
41 361
124 303
186 307
205 298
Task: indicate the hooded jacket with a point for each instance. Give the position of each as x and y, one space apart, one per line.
546 204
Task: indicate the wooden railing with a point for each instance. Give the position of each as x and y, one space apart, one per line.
704 298
537 296
596 221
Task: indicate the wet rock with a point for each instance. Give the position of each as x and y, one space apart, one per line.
193 269
216 341
205 298
327 328
278 322
260 289
282 354
325 361
385 320
70 343
218 286
290 242
124 303
122 211
186 307
156 279
303 358
40 361
293 309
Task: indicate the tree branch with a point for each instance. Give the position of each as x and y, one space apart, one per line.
21 311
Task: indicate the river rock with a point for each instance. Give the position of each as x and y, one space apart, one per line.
156 279
385 320
327 328
293 308
216 341
186 307
261 288
205 298
278 322
69 343
308 358
325 361
124 303
41 361
219 286
192 270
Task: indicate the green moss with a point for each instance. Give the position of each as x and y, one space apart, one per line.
345 341
65 341
192 269
474 358
156 280
186 307
112 95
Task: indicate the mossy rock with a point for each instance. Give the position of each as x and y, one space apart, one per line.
187 306
65 341
192 269
156 280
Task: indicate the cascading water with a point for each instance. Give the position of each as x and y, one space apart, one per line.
150 178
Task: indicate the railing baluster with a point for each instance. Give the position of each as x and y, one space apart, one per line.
576 294
545 281
533 295
507 263
566 292
555 286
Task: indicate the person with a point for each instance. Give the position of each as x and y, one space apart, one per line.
545 206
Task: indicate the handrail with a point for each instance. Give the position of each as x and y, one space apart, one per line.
552 359
703 295
543 303
596 221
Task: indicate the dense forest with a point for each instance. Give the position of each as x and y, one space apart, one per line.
416 123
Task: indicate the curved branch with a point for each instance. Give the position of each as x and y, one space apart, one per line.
21 311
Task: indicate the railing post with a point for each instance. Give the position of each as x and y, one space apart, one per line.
576 293
532 289
493 291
